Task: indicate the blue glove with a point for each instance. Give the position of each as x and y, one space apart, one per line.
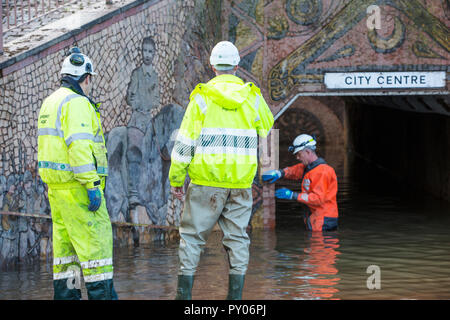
271 175
95 199
284 193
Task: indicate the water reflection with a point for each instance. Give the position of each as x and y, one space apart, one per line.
320 263
380 224
309 269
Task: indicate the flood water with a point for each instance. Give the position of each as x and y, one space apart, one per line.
382 223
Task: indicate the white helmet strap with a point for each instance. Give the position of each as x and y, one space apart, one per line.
292 148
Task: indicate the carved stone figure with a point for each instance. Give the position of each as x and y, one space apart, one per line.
143 97
152 180
137 187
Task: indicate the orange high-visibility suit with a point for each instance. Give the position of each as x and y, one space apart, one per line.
318 192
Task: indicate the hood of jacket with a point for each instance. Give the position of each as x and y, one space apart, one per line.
227 91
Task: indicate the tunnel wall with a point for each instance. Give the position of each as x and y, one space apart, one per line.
413 147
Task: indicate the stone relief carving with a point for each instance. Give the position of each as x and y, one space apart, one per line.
137 188
143 97
20 236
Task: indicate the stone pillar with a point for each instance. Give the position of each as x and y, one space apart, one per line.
269 160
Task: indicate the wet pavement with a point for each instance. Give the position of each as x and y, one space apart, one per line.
403 233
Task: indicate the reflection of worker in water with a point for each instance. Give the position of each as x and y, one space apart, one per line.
318 184
143 97
320 263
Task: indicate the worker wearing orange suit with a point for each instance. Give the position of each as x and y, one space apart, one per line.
318 184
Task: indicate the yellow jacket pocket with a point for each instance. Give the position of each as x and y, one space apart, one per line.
101 159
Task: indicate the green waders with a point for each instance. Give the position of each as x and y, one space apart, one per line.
204 206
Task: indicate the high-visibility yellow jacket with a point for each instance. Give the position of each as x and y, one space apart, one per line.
217 141
71 145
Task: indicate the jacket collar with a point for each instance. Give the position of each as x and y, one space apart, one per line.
311 166
70 83
314 164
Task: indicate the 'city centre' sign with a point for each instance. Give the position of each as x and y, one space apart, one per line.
385 80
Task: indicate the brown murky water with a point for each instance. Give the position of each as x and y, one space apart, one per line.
405 234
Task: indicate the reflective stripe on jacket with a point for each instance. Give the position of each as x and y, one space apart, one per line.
71 146
217 141
318 191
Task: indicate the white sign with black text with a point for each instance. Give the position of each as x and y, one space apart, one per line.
385 80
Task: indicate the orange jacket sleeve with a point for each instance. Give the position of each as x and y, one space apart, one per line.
294 172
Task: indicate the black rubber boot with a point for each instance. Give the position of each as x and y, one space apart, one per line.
62 291
184 289
235 286
101 290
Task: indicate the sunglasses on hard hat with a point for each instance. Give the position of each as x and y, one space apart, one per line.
292 148
77 60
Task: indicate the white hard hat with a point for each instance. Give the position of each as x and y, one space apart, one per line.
224 56
77 64
301 142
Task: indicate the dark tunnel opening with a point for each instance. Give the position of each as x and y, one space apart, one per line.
393 170
392 162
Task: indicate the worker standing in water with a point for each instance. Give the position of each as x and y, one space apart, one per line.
318 183
217 144
72 162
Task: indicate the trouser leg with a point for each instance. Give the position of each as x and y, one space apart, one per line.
233 222
66 266
91 236
202 208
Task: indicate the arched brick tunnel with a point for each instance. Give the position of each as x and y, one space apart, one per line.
413 146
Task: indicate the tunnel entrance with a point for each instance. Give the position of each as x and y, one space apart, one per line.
401 144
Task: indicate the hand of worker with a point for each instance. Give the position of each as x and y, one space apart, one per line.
95 199
285 193
177 192
272 175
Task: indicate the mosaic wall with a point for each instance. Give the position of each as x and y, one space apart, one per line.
287 46
117 52
176 32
